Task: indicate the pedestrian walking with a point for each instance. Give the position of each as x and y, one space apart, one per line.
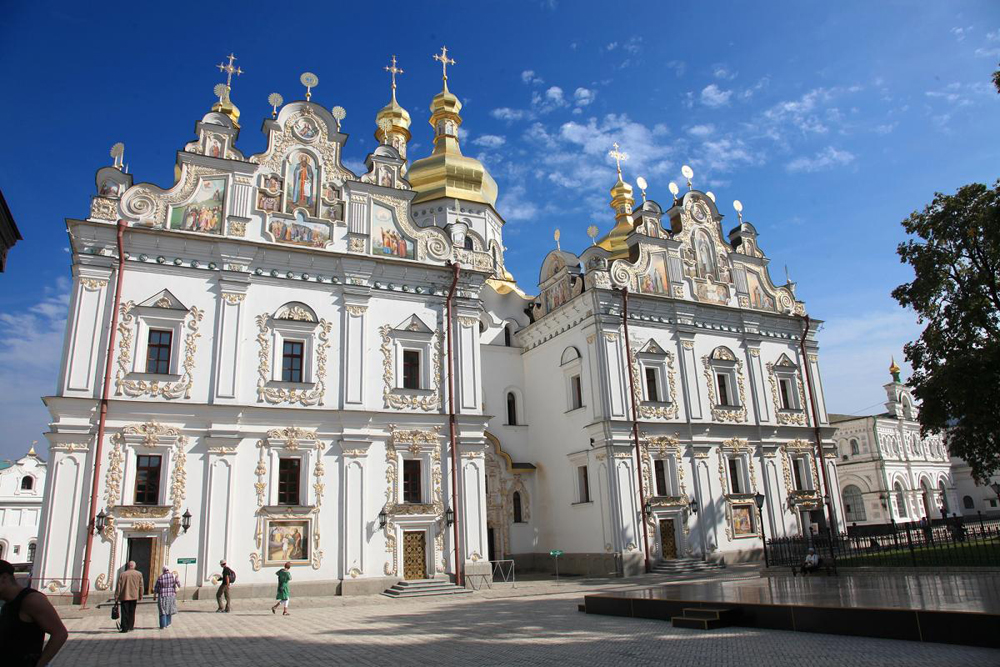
25 618
284 576
130 587
228 577
165 591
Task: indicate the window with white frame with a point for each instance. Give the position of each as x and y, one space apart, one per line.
800 473
665 476
159 327
294 330
411 344
583 484
722 366
511 409
653 373
854 504
786 383
736 467
573 374
855 449
575 392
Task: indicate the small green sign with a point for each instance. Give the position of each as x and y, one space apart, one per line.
186 561
555 553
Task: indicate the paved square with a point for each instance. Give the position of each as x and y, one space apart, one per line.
491 628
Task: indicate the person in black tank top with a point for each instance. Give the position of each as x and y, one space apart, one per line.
25 618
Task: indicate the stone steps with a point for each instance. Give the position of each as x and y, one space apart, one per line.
705 618
419 588
685 566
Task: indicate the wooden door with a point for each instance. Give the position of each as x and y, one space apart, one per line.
668 541
140 549
414 555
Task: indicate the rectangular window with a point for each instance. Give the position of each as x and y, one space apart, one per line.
158 351
735 479
576 389
660 468
584 484
288 481
784 389
411 481
721 381
801 469
147 480
291 361
652 390
411 369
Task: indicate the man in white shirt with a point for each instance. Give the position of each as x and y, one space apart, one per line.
811 563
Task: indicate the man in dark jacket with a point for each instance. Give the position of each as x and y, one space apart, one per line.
227 579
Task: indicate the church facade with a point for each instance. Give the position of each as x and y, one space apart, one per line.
338 370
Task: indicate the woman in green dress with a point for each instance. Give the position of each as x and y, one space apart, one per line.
284 576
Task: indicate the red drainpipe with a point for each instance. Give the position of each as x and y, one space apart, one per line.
812 403
85 588
635 425
459 566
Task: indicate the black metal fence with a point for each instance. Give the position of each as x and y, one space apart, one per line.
943 543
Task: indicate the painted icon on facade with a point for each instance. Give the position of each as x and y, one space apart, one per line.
758 297
287 540
743 521
301 185
299 231
386 238
654 280
204 212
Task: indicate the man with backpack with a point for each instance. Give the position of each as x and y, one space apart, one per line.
228 578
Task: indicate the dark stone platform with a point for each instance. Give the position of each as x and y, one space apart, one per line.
950 609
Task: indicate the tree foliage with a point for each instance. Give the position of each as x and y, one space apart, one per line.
954 251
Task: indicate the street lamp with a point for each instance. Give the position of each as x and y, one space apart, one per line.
759 500
449 516
648 507
186 520
382 518
693 504
99 522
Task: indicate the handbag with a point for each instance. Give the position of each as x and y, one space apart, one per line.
114 612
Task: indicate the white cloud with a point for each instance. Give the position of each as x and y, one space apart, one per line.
528 76
712 96
515 205
584 96
31 343
726 154
633 45
357 166
961 33
612 46
701 130
678 66
490 141
827 158
987 53
508 114
723 72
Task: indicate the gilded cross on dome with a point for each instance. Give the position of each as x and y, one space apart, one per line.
619 157
230 70
445 61
393 71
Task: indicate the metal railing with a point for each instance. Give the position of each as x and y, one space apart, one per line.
501 572
941 543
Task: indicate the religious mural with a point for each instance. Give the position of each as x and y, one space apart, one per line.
654 280
287 540
759 298
269 193
204 212
704 256
301 188
333 205
305 128
743 521
110 189
557 295
299 231
386 239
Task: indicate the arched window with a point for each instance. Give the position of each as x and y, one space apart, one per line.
511 409
468 242
3 546
854 504
968 503
944 499
855 450
517 507
27 483
900 500
31 552
506 335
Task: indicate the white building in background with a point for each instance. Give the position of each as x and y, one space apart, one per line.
974 498
22 484
281 371
888 471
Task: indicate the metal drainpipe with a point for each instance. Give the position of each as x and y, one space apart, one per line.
459 566
635 424
813 404
102 420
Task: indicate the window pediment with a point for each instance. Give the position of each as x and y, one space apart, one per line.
164 300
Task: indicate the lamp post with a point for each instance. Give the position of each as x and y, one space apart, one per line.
759 501
186 520
382 518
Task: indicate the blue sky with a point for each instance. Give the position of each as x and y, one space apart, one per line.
830 121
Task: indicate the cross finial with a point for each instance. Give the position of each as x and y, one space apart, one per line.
230 70
393 71
619 157
445 61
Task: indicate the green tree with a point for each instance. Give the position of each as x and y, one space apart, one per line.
954 251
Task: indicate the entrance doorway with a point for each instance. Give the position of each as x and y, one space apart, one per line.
414 555
668 540
491 549
140 549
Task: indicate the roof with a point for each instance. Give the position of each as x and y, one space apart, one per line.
836 419
9 234
5 464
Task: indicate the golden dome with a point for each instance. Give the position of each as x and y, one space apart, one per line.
446 172
397 116
621 203
226 106
893 368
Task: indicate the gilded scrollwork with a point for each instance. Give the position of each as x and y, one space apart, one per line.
154 388
398 398
149 204
648 410
430 240
284 141
233 298
784 416
305 397
726 413
103 208
93 284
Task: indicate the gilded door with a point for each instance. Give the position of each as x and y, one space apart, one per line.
414 555
668 543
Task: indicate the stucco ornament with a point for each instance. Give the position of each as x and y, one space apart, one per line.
155 388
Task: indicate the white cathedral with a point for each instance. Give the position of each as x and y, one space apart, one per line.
337 370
